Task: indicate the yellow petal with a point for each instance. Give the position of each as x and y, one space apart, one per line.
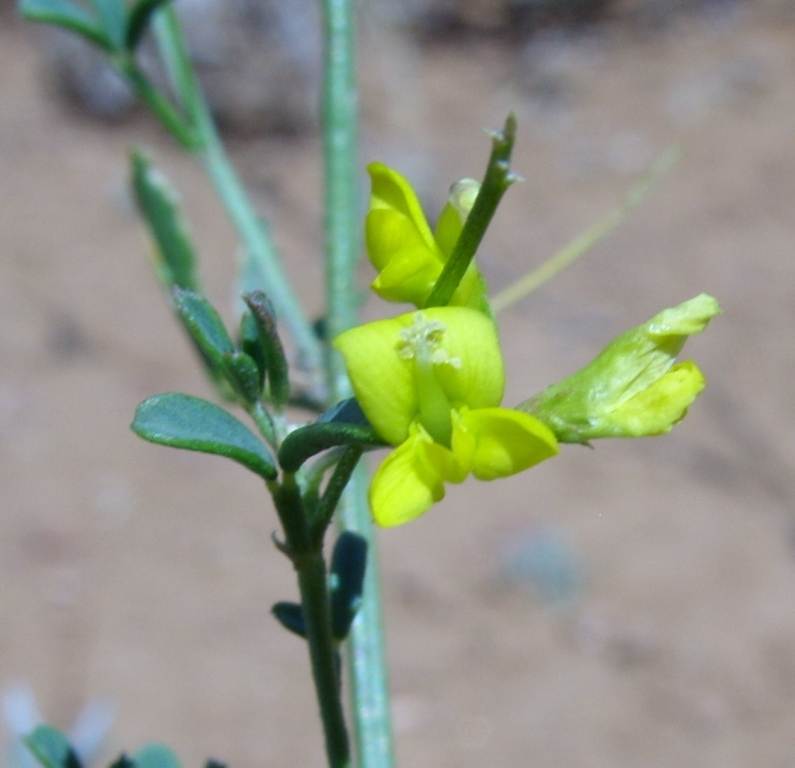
498 442
657 408
408 269
382 381
396 227
405 485
470 338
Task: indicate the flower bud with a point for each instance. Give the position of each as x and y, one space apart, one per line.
632 388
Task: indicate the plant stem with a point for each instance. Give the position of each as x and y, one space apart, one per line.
306 553
496 181
324 656
366 656
257 243
586 240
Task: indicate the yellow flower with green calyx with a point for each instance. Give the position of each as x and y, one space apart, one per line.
633 388
408 255
430 383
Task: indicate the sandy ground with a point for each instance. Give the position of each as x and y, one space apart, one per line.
144 576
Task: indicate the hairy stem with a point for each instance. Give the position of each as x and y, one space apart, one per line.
253 232
496 181
366 656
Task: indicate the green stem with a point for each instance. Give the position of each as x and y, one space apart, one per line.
587 240
336 486
161 107
496 181
252 230
323 655
366 655
264 421
307 558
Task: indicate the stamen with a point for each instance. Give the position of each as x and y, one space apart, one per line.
422 343
424 338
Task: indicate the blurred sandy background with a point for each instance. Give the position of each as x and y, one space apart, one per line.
627 607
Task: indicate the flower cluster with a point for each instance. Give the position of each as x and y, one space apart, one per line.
431 381
408 255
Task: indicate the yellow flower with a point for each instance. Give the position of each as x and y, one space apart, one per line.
431 383
409 256
632 388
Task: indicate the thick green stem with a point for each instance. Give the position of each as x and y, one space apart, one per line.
307 557
323 655
367 663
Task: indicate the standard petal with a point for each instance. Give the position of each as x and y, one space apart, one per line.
405 485
392 192
408 270
382 380
497 442
475 377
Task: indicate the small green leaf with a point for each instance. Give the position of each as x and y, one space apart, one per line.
66 14
138 21
182 421
155 756
243 375
272 349
112 16
305 442
348 565
251 344
345 412
158 203
51 748
291 617
204 325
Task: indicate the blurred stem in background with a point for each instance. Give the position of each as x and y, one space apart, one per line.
260 254
367 663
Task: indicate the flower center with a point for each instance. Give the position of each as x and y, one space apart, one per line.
422 343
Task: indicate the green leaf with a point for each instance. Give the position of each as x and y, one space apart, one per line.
51 748
243 374
345 412
271 345
183 421
291 617
158 203
204 325
155 756
348 566
304 442
251 344
66 14
138 21
113 20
